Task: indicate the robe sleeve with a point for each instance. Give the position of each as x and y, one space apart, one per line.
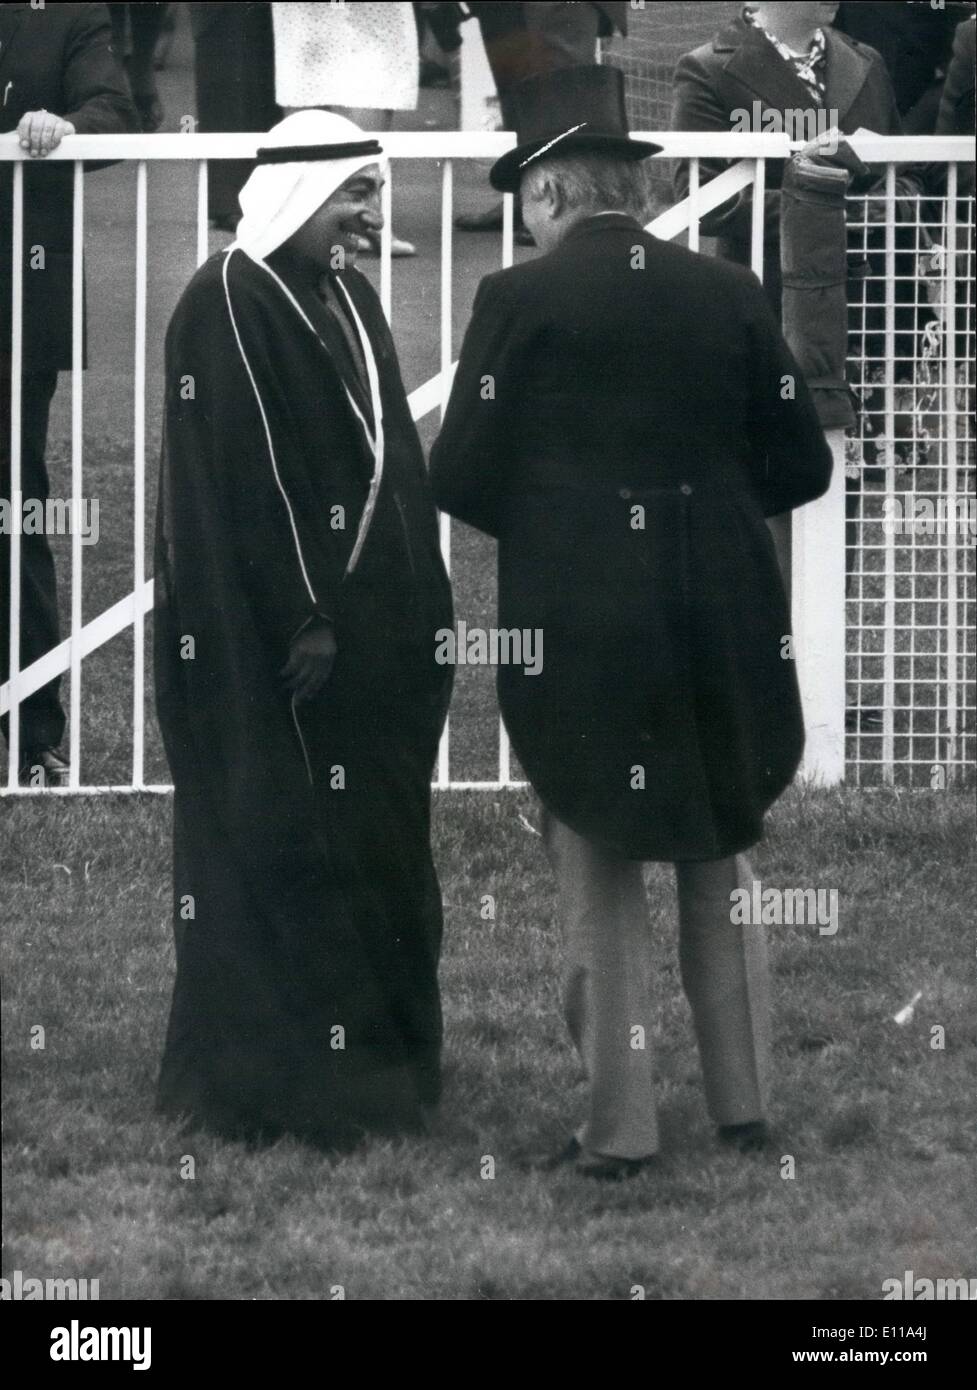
229 467
791 460
470 456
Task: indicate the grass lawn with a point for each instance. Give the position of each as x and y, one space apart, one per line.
872 1114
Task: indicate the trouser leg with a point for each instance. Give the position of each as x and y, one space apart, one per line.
607 990
724 971
42 719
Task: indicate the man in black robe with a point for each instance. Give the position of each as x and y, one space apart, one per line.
299 588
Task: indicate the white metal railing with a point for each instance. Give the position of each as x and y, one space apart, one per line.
818 548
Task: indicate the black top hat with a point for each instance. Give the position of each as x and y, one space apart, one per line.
568 111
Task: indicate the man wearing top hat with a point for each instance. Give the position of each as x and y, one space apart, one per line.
299 590
645 416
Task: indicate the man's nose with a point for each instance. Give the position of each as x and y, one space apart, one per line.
372 217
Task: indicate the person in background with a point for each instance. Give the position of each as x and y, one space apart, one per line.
956 114
781 57
525 40
784 56
136 49
956 117
914 43
360 60
234 72
439 36
58 77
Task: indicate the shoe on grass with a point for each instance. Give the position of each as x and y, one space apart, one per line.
747 1138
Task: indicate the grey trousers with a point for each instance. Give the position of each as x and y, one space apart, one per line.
608 993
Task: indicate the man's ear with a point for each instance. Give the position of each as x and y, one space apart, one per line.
556 203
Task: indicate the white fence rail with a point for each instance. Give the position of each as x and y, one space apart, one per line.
818 539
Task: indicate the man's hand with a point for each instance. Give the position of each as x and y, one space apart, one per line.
40 132
310 660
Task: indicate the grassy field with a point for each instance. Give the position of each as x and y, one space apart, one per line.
872 1114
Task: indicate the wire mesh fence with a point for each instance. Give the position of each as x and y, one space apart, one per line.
910 510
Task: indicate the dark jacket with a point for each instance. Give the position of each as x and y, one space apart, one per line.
623 432
914 42
740 66
500 16
957 108
57 58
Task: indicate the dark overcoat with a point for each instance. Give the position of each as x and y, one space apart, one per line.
622 421
57 58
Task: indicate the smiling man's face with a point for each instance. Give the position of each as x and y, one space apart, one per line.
347 214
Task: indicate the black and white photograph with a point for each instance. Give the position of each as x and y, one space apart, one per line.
488 677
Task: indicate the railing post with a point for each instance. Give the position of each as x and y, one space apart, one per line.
444 520
818 622
139 483
77 452
16 489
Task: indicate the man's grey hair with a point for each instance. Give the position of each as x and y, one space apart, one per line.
591 183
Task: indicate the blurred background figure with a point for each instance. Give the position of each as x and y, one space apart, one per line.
136 31
956 115
235 79
59 76
914 42
360 60
438 29
529 40
789 57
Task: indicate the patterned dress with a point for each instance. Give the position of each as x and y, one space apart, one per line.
357 54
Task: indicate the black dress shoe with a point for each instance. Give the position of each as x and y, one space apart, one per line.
748 1138
54 769
607 1168
603 1167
